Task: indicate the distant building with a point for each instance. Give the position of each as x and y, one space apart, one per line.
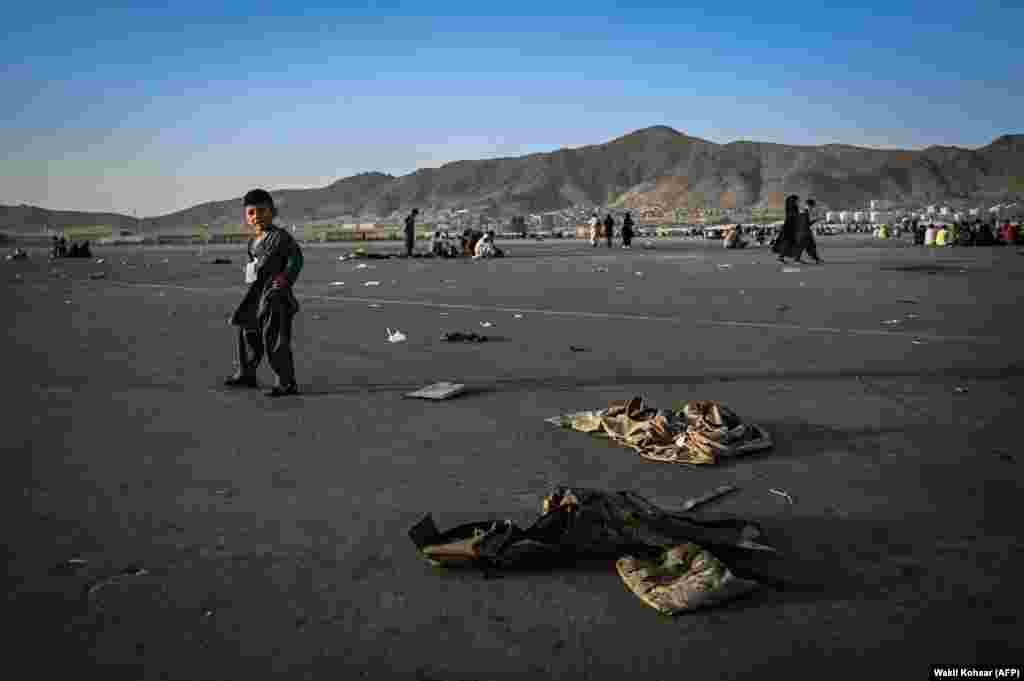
845 217
859 216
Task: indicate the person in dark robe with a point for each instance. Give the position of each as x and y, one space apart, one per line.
264 317
54 247
609 229
85 251
804 238
410 231
984 236
73 251
785 243
62 247
627 231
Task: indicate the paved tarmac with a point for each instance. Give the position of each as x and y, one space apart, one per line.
272 533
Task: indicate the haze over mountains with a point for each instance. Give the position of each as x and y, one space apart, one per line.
656 167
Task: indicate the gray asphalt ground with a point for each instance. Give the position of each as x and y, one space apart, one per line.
273 532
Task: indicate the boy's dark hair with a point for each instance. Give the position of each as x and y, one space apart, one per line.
258 197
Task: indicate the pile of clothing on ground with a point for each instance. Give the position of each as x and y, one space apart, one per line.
701 432
673 561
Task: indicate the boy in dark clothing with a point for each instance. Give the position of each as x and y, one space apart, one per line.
264 317
609 228
410 231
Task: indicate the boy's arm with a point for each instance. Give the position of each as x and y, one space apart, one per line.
292 267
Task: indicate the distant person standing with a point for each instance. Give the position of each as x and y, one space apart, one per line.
410 231
264 317
805 232
609 228
784 244
627 231
594 227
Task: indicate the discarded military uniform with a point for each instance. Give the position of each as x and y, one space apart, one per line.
264 317
701 432
580 522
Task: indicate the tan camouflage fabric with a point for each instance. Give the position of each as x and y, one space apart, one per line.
684 578
579 522
700 433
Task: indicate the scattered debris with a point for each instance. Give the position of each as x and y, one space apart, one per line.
581 522
98 275
600 269
221 261
716 493
69 567
372 283
318 316
909 301
917 342
100 261
439 391
517 316
374 305
892 322
910 315
723 266
364 266
463 337
639 274
337 283
701 432
960 389
396 336
578 348
783 308
487 325
782 494
226 492
124 575
790 270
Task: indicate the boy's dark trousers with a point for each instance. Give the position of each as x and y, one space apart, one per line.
409 238
273 336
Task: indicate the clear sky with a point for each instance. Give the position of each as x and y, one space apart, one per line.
143 107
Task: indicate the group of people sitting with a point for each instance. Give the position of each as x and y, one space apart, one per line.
733 237
60 249
471 244
964 234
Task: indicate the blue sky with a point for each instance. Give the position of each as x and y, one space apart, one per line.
140 107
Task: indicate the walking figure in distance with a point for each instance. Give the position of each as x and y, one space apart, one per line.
410 231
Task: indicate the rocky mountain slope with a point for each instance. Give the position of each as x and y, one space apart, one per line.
655 168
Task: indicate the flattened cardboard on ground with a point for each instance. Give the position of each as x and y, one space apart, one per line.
439 391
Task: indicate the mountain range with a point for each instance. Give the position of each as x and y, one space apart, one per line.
649 170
